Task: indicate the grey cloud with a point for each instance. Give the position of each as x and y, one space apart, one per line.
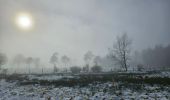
76 26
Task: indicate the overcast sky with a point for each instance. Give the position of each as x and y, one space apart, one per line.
73 27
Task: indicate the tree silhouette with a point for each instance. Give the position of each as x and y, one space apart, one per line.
97 60
121 51
29 60
65 60
54 60
3 59
18 60
88 57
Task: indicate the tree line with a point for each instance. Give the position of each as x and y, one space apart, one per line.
119 57
157 58
119 53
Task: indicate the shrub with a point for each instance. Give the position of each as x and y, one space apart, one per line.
96 68
86 68
140 67
75 69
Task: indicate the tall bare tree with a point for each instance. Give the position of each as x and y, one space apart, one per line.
36 62
29 61
97 60
18 60
88 57
65 59
121 51
54 60
3 59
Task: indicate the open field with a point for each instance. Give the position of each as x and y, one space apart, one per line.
122 86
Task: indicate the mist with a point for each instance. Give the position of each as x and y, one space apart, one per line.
84 49
74 27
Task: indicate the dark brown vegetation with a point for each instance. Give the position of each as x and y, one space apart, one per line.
85 79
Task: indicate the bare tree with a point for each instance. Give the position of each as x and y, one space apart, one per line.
36 62
54 60
4 71
3 59
121 51
88 57
86 68
65 60
97 60
18 60
29 60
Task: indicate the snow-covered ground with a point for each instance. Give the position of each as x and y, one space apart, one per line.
165 74
97 91
160 74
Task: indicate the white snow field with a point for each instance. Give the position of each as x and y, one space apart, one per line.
98 91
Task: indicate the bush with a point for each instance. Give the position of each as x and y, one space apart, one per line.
140 67
86 68
56 69
96 68
75 69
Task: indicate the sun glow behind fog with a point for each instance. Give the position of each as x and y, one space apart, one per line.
24 21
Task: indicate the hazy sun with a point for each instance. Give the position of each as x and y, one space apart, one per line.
24 21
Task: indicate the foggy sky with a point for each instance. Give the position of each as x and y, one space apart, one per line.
72 27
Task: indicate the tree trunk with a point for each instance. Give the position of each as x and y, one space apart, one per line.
29 69
42 71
